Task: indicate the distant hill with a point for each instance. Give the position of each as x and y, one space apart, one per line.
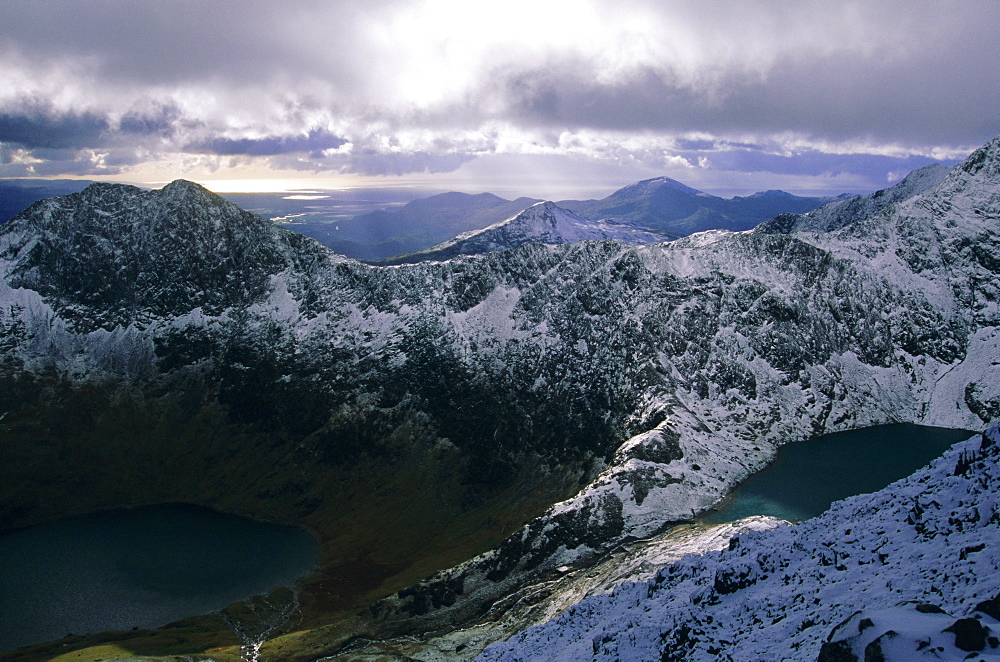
666 205
662 206
651 210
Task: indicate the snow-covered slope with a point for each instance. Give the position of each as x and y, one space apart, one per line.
909 573
836 215
543 222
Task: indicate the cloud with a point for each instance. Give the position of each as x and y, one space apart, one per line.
392 86
151 119
811 162
315 142
35 124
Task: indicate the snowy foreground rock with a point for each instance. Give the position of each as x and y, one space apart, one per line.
909 573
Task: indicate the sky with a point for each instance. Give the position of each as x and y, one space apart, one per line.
547 98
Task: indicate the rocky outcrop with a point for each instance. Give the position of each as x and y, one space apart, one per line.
911 632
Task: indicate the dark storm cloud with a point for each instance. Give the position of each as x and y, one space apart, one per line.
314 143
37 125
835 100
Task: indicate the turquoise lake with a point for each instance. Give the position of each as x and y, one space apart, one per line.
806 477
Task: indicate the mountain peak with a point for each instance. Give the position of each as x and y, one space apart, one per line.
183 189
657 184
148 252
184 185
770 193
985 161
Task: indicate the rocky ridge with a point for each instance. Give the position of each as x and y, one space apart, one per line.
840 213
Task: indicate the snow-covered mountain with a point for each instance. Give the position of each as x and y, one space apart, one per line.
545 403
543 222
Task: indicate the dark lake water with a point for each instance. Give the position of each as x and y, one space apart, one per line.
805 478
141 567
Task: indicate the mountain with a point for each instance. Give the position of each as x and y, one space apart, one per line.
837 214
418 224
665 205
115 255
430 228
455 432
543 222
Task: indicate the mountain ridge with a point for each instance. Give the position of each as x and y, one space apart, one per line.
839 213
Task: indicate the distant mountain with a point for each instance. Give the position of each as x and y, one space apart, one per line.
666 205
417 225
837 214
17 195
655 209
543 222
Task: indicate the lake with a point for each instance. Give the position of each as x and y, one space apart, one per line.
805 478
141 567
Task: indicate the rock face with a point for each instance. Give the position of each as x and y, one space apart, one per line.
632 384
